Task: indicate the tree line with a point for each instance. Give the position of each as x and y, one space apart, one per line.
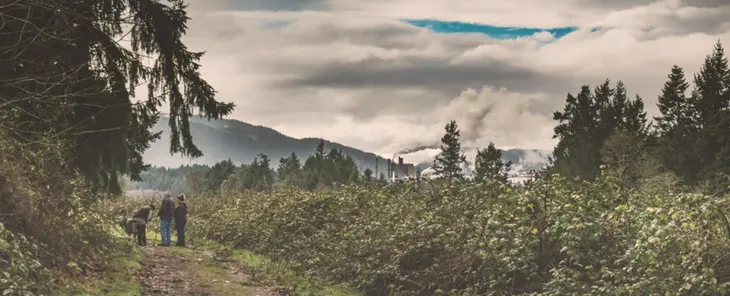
603 130
320 170
688 142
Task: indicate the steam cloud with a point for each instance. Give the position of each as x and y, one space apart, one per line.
470 111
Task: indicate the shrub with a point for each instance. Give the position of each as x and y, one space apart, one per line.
549 238
48 230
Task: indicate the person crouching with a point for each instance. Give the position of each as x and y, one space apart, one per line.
181 219
140 221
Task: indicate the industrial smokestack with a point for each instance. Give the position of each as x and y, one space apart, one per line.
376 167
389 169
401 170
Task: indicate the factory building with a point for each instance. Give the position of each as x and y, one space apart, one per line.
397 171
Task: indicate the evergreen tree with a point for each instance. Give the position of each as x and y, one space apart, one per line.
587 121
349 170
711 98
676 128
448 162
319 151
261 173
576 154
78 85
311 172
333 171
711 95
368 175
607 104
290 170
490 166
673 103
315 172
218 174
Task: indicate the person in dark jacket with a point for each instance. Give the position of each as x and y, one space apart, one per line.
140 221
181 218
167 210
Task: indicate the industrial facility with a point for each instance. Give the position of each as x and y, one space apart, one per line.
397 171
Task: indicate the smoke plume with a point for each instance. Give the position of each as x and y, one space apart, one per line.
418 148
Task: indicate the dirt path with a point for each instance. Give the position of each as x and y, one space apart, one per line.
189 272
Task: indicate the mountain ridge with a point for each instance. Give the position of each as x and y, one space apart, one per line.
241 142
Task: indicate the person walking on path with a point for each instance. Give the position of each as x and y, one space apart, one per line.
140 221
167 209
181 218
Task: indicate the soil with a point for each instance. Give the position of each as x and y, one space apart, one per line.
189 272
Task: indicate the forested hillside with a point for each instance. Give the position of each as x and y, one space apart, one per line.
629 206
242 142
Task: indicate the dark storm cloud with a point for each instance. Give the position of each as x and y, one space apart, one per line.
706 3
432 73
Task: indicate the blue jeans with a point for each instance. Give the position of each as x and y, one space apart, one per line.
165 232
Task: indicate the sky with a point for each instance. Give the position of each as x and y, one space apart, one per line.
387 75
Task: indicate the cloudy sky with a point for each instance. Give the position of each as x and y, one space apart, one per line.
382 75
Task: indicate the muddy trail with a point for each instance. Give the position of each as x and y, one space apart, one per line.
191 272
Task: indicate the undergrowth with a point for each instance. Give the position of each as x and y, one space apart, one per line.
550 238
53 238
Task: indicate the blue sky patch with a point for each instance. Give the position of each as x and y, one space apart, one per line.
489 30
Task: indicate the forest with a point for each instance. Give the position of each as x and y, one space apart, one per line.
629 204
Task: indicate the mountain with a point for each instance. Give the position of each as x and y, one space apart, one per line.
242 142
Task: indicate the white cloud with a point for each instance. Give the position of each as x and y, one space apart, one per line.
484 116
356 75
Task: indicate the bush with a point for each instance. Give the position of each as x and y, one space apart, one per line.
549 238
48 230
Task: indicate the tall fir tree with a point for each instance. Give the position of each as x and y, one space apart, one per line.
711 98
448 162
489 165
78 86
673 103
676 128
576 154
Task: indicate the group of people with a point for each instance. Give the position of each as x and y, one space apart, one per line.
170 216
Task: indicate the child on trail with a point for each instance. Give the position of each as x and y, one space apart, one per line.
166 213
140 219
181 218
